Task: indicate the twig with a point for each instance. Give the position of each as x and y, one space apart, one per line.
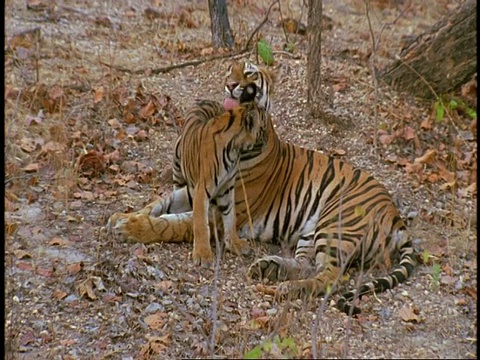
289 54
374 73
375 43
281 23
245 49
215 290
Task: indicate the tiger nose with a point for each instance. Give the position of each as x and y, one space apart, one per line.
231 85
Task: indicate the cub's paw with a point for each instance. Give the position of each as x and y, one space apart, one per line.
132 227
202 256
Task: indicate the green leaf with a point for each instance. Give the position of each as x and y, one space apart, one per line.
255 353
453 104
426 256
289 343
440 109
472 113
265 52
267 346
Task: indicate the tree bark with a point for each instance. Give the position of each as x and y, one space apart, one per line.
315 96
219 24
445 56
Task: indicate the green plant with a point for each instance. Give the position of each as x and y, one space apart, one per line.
285 346
265 52
441 105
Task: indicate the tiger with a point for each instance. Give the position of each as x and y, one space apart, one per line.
208 152
330 215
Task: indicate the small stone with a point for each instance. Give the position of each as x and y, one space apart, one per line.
271 312
71 298
154 307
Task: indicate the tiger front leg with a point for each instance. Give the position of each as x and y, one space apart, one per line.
147 229
140 226
202 251
226 207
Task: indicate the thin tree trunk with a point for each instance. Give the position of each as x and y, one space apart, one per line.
219 24
315 97
445 56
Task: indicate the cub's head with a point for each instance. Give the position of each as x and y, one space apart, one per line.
242 73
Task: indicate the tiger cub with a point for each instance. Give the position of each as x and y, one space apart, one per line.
211 143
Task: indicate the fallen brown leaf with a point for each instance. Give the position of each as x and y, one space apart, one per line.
58 294
156 321
22 265
98 94
269 290
85 288
20 254
426 158
407 314
75 268
27 338
47 272
59 241
163 285
31 168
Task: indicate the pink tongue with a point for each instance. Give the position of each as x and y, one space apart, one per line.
230 103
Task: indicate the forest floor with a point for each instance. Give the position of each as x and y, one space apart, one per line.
90 120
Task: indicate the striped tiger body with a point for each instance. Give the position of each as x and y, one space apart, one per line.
331 215
207 154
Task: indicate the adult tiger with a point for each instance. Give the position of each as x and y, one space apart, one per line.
207 155
332 215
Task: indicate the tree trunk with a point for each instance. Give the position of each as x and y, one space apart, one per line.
445 56
219 24
315 97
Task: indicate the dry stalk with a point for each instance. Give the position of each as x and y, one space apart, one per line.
373 70
372 63
216 279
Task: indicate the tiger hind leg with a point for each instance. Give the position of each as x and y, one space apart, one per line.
331 258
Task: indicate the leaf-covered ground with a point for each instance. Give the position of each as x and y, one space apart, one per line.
91 115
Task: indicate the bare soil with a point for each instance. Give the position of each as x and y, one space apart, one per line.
90 121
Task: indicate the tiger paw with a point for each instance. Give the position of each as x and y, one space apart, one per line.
268 267
132 227
202 256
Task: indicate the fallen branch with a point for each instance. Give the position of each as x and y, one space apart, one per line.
165 69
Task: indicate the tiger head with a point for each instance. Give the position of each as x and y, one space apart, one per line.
242 73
